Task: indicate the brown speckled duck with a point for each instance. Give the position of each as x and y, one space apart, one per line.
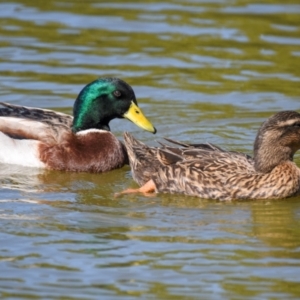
207 171
47 139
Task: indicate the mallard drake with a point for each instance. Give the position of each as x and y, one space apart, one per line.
43 138
207 171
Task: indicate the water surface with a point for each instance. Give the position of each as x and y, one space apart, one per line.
202 71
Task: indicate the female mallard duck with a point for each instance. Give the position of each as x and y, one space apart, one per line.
207 171
47 139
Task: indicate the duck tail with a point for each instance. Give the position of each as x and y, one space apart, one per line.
142 159
133 146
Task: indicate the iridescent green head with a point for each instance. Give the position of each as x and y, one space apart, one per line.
103 100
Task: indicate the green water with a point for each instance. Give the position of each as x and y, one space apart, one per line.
202 71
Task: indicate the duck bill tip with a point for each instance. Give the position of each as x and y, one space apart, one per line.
136 116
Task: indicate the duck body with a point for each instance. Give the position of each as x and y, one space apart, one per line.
207 171
47 139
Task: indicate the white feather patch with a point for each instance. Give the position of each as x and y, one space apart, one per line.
87 131
19 152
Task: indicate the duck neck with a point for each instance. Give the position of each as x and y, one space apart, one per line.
90 114
89 121
268 156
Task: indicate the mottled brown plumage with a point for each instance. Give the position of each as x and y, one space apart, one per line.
207 171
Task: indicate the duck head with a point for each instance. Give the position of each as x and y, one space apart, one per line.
103 100
277 140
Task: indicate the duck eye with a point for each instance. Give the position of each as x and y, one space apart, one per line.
117 93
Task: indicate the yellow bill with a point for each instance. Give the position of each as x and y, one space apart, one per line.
135 115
